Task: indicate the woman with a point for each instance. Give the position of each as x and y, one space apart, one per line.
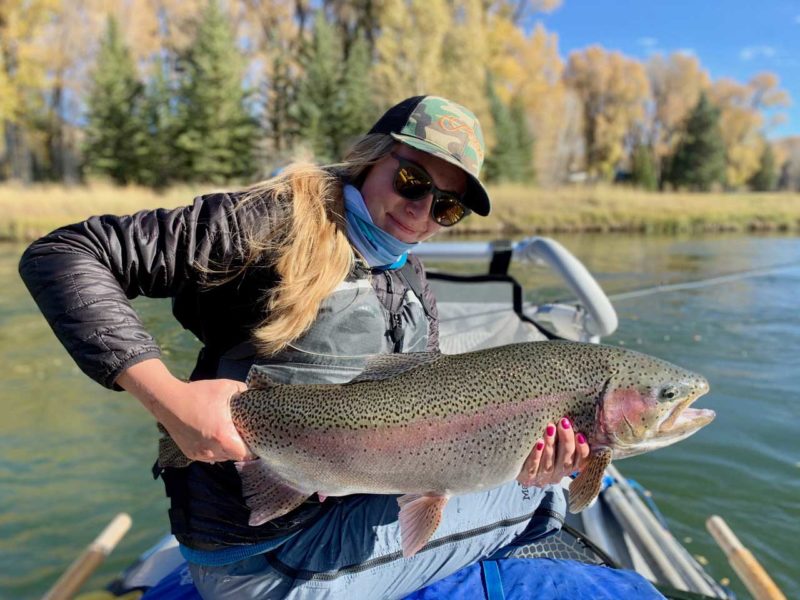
302 276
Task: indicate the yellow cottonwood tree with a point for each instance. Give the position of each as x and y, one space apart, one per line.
464 58
409 48
554 120
742 121
613 90
676 83
528 68
22 79
431 47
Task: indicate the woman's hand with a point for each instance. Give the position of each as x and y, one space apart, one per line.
560 453
196 414
201 422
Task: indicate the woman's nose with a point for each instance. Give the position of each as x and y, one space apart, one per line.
419 208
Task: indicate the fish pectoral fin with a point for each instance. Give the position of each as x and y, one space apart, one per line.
266 494
586 486
420 515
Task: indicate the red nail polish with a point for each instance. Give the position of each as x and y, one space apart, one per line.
581 439
539 445
551 430
565 423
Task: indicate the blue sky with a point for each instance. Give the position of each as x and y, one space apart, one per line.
731 38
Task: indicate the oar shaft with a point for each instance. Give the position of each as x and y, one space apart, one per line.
749 570
92 557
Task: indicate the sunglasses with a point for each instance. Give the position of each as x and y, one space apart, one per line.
414 183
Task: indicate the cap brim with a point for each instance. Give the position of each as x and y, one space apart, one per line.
476 198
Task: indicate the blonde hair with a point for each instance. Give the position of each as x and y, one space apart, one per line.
308 246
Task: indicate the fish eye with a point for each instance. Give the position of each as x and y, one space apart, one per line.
669 393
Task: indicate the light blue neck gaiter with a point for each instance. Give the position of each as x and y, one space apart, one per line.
380 249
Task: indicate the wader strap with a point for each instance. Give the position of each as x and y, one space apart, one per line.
492 581
502 251
414 281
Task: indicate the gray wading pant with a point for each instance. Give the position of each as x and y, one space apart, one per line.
353 551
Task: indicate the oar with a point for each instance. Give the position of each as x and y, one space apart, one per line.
91 558
752 574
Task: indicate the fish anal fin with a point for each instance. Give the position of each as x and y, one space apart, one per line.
586 486
420 515
266 494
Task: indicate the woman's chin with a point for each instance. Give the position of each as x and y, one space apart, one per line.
402 233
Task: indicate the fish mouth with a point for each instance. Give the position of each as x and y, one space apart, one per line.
682 418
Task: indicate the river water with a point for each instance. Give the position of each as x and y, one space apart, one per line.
73 454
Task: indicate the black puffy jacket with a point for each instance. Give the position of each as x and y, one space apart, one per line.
82 277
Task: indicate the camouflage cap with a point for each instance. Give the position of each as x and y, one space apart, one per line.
443 129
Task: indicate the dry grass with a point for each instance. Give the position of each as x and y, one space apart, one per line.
519 209
29 212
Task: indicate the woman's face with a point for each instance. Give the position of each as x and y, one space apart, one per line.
407 220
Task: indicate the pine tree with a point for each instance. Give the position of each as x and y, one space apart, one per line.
502 157
158 115
217 134
524 141
316 109
766 178
356 109
699 160
333 104
643 167
114 134
511 158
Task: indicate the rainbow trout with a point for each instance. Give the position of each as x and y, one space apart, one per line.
431 426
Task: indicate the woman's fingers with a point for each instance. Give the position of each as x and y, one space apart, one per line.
547 463
560 453
581 452
565 454
527 476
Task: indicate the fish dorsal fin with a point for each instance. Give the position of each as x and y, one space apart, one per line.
420 515
587 485
257 379
384 366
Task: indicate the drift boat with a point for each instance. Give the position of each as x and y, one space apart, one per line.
621 533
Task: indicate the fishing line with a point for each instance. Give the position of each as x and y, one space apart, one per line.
689 285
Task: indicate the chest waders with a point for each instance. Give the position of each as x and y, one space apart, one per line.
207 509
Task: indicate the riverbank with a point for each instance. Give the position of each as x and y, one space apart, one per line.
29 212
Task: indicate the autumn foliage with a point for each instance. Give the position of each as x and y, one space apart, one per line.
234 89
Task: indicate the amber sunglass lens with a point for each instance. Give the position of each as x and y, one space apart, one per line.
412 183
447 211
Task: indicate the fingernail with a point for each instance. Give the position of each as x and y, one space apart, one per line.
580 438
565 423
539 445
551 430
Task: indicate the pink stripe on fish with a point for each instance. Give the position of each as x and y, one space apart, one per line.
427 432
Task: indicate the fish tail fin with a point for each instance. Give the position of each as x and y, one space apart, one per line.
420 515
586 486
169 454
266 494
